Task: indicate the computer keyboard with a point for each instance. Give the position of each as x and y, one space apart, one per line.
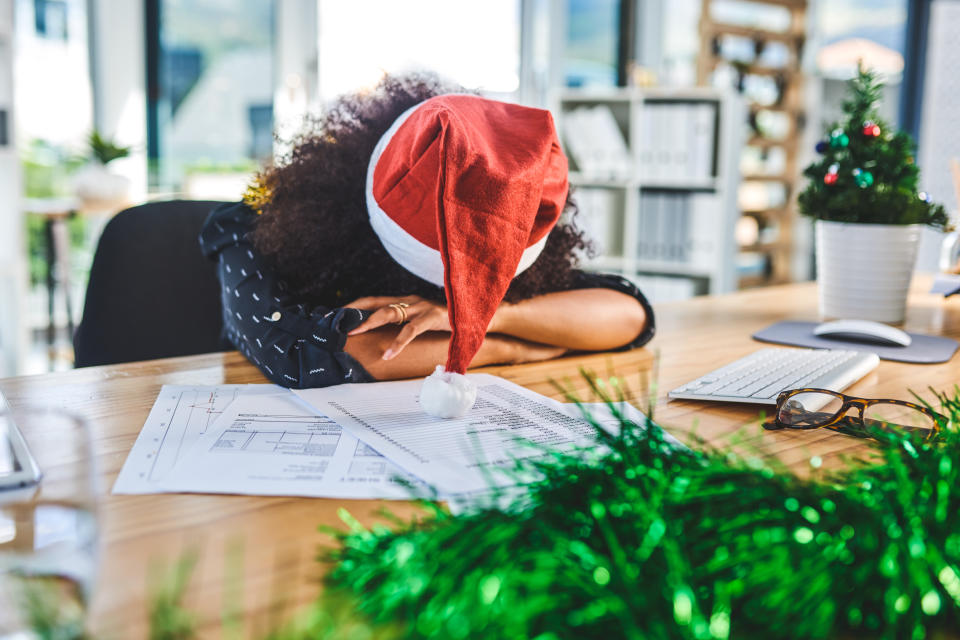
759 377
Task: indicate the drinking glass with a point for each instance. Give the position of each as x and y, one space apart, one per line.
48 532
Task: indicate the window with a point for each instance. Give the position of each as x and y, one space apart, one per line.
853 30
476 44
590 55
210 78
50 19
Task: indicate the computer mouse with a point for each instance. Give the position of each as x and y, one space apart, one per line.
864 331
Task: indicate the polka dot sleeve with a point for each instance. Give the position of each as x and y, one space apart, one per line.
294 345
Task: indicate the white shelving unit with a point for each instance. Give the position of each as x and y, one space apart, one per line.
624 198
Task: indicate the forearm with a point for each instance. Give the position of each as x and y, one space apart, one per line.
421 356
579 320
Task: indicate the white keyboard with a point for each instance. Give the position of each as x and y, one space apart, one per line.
759 377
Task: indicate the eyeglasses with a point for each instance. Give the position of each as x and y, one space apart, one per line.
815 408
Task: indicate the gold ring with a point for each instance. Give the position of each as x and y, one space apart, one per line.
402 308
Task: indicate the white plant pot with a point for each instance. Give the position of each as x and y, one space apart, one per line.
100 190
864 270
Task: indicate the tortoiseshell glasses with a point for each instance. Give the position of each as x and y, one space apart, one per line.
815 408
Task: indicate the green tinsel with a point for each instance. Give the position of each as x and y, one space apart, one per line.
647 541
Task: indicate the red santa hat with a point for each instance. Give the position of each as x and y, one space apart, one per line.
462 191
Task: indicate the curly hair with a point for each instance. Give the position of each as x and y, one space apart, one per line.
314 227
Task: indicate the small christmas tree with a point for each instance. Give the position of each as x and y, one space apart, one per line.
867 172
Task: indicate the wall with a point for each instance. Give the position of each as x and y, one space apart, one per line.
12 334
940 120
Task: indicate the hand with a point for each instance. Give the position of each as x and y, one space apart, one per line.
422 316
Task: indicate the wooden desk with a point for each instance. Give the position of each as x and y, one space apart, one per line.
279 535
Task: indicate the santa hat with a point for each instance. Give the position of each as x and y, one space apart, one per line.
462 191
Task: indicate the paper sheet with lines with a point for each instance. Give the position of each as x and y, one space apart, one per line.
277 445
180 415
472 453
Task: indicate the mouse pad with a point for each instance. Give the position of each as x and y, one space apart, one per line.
923 350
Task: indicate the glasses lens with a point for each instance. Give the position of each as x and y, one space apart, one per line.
809 409
885 414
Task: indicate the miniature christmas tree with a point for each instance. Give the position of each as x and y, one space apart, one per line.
866 172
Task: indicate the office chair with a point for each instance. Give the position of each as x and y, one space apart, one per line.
151 292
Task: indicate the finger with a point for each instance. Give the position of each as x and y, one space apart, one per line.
405 337
380 317
391 315
370 302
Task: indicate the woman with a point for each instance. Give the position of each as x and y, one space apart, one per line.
313 298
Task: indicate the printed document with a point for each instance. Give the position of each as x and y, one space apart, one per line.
276 445
180 415
474 453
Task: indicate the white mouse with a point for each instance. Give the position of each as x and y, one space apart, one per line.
864 331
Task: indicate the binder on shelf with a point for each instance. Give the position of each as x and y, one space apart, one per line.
596 143
682 130
704 134
704 239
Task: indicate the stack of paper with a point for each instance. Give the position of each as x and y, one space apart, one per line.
349 441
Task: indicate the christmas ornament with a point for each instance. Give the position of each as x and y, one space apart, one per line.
863 178
838 139
831 176
871 129
822 146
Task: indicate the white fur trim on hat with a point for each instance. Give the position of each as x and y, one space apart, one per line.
411 254
447 395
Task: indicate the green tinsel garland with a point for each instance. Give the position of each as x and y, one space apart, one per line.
652 542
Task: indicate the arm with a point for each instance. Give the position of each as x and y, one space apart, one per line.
580 319
430 349
292 344
607 313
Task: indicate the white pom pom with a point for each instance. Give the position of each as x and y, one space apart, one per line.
447 395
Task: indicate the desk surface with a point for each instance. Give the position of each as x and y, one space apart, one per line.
279 536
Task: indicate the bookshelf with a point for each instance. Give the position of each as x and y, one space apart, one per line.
766 52
655 174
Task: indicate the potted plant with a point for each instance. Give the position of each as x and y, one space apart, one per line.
95 185
862 192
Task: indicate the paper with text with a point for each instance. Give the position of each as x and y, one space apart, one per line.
180 415
277 445
474 453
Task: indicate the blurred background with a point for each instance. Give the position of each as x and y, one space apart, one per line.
687 123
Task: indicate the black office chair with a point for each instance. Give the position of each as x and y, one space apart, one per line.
151 292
